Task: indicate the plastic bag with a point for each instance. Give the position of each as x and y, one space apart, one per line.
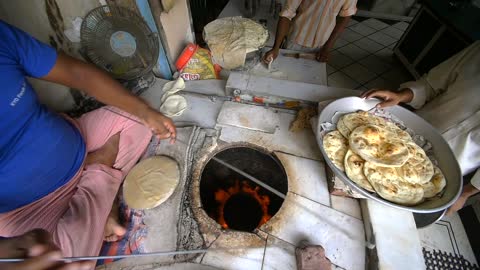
195 63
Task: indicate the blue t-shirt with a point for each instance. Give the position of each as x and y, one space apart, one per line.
39 150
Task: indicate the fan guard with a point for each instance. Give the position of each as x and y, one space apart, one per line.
119 41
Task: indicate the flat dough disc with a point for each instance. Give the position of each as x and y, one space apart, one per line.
392 187
336 146
151 182
436 185
174 105
379 146
354 170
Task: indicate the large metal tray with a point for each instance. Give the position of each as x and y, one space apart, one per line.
443 154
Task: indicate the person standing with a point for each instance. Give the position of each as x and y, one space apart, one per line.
448 98
311 26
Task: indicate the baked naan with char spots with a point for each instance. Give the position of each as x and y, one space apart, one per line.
390 186
343 129
354 170
418 169
336 146
378 146
436 185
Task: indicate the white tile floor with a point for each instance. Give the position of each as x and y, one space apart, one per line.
363 58
448 235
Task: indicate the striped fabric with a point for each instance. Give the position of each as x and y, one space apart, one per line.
314 20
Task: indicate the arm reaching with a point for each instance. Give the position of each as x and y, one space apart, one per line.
288 13
282 30
390 98
93 81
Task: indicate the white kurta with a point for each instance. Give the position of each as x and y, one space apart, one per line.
448 97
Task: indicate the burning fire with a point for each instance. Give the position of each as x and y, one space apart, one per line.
222 196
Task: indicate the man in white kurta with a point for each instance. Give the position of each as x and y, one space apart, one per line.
448 97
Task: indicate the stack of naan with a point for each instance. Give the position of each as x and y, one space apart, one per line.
380 157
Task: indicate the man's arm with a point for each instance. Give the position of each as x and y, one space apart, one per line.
283 27
76 74
341 24
439 78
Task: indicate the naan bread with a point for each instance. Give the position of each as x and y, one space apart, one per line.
436 185
379 146
418 169
401 134
336 146
390 186
354 170
343 129
151 182
353 120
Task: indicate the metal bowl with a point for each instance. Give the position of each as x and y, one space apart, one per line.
444 155
423 220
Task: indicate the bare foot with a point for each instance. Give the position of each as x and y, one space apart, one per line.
113 230
107 154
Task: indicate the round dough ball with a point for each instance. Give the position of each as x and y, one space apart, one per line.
151 182
336 146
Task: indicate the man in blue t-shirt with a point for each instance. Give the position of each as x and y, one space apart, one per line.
61 174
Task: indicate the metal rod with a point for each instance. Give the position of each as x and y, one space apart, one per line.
161 253
250 177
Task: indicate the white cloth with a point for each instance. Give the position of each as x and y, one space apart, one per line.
448 97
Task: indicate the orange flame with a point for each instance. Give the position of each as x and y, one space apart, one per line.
222 196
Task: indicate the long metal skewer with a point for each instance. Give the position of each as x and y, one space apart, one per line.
161 253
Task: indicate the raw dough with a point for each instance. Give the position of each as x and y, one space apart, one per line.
151 182
173 106
231 38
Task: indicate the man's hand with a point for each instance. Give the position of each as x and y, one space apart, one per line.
162 126
41 253
270 56
389 98
322 55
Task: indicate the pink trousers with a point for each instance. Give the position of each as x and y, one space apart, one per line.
76 213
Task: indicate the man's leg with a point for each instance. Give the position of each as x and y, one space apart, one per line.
81 230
